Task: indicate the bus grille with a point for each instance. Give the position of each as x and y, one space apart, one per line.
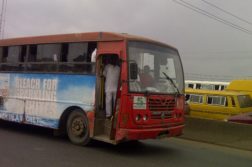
161 108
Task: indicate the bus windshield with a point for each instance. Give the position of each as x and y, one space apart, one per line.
159 69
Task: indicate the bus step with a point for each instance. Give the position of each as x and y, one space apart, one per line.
107 127
104 138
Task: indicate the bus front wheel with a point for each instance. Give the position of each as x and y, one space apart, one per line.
77 128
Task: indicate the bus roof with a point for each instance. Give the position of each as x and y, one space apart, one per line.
214 92
240 85
76 37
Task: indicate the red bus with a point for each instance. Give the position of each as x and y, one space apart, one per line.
53 81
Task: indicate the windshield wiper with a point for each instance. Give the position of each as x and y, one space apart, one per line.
171 81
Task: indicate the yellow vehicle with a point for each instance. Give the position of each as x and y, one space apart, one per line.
217 104
241 85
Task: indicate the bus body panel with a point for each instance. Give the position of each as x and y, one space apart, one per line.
231 107
40 99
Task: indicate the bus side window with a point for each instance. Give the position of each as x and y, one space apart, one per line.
23 57
217 100
196 98
48 53
12 58
32 53
77 54
64 52
209 100
1 54
187 97
190 86
232 101
1 57
198 86
92 46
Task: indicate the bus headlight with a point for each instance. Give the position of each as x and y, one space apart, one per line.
138 117
145 117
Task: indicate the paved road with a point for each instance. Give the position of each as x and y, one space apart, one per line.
25 146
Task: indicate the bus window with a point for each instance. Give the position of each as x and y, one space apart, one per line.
32 53
217 100
232 101
1 54
196 98
244 101
77 52
190 86
64 52
48 53
42 57
187 97
11 56
207 86
159 62
198 86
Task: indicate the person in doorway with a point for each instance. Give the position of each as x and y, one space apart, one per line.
93 59
111 73
93 56
145 78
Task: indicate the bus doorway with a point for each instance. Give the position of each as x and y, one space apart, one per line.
107 93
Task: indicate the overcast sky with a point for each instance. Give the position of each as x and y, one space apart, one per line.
207 47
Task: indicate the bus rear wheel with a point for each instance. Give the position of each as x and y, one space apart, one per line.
77 128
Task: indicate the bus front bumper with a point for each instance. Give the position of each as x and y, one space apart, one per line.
153 133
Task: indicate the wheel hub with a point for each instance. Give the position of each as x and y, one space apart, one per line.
78 127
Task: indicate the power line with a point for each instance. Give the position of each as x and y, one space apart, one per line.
207 14
201 11
227 12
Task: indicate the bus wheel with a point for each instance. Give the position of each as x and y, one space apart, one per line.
77 128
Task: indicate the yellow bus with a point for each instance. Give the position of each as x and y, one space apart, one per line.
218 105
241 85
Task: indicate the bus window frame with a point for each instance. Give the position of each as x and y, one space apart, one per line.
26 62
219 100
200 101
160 45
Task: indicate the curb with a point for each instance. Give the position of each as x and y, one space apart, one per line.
219 132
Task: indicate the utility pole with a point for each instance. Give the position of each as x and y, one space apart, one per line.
2 18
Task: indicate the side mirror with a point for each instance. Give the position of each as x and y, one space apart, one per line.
133 71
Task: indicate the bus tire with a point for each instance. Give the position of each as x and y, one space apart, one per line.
77 128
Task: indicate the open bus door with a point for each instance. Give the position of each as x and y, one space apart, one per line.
105 128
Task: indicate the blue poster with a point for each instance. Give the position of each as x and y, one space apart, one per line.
40 99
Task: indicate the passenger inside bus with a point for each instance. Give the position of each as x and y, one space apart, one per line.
146 78
111 73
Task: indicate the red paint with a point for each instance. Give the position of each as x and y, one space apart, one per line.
129 129
153 133
90 116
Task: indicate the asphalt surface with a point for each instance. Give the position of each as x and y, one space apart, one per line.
28 146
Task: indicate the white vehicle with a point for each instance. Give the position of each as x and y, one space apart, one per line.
208 85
